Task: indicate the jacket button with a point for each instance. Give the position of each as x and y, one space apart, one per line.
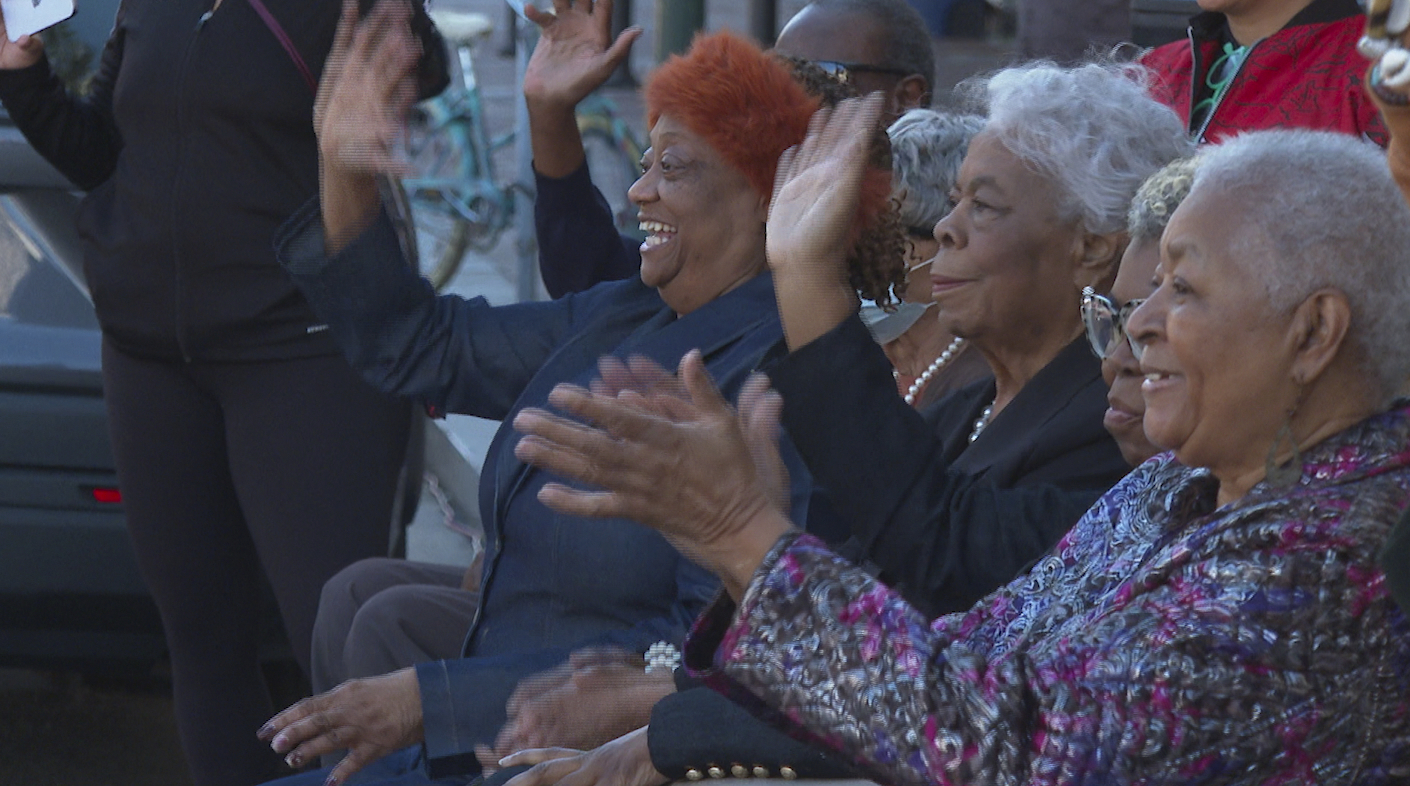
739 771
715 772
787 773
693 774
761 772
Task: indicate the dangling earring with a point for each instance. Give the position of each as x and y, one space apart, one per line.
1287 474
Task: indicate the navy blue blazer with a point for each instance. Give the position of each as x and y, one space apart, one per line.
552 583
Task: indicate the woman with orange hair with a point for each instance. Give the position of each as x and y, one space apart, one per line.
720 118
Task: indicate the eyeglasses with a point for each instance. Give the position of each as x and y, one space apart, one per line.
842 72
1106 323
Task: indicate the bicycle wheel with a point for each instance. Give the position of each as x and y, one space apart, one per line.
614 162
441 162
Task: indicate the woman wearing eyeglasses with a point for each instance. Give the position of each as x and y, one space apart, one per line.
1105 317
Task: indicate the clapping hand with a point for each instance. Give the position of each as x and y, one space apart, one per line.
679 460
625 761
598 695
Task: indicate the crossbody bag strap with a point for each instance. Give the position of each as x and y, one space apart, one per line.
287 43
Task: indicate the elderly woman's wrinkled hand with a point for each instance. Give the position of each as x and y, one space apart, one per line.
625 761
575 53
816 190
370 718
706 477
368 84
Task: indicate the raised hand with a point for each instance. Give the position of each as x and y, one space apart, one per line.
369 718
368 85
816 191
680 466
575 52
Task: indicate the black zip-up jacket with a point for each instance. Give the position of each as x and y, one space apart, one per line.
195 142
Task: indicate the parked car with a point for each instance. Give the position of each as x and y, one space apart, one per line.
70 593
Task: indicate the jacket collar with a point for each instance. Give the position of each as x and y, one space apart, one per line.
1377 444
1045 396
662 337
1207 25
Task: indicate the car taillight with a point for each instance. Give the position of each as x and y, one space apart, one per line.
107 496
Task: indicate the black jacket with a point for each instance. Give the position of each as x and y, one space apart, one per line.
195 143
945 520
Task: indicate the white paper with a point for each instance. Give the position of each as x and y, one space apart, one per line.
25 17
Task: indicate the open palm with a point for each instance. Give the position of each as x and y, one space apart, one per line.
817 188
575 53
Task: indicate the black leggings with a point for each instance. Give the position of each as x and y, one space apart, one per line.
226 467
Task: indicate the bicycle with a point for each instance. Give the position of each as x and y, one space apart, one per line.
458 203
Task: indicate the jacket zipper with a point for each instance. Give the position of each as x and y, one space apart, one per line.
178 309
1219 99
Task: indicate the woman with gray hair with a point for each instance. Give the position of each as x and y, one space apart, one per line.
926 150
1218 616
957 499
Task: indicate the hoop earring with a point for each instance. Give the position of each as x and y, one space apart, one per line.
1287 474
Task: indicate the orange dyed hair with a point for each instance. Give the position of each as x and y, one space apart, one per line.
749 107
744 103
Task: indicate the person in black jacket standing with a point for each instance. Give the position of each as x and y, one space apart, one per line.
242 437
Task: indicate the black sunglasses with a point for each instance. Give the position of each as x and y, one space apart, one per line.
842 72
1106 323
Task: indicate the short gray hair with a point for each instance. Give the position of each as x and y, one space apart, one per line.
1157 199
1092 130
927 148
1323 211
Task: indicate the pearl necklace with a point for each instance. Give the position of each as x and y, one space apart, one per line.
944 360
981 422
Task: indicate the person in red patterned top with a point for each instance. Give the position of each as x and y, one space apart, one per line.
1251 65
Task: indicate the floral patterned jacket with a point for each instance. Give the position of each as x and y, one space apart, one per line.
1163 641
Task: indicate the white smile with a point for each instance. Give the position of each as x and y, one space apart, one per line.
657 233
1157 377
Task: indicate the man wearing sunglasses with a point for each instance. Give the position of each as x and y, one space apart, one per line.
876 45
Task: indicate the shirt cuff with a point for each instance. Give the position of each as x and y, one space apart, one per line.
710 634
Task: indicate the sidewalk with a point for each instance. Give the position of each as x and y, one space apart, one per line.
493 275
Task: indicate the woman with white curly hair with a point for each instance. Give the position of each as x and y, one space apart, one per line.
954 500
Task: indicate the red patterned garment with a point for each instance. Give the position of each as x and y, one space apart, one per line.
1307 75
1163 641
